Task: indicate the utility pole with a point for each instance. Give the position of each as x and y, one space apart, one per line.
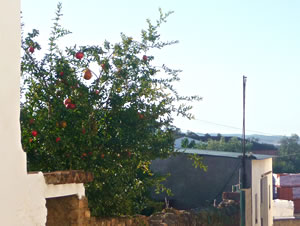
243 180
244 133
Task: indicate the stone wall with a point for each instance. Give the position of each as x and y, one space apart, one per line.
172 217
68 177
68 210
71 211
120 221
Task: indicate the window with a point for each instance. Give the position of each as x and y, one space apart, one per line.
269 196
256 209
261 190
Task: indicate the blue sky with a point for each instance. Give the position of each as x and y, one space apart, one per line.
219 42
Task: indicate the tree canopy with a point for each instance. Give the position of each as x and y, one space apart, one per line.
288 160
106 109
232 145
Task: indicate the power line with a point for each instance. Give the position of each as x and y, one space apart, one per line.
236 128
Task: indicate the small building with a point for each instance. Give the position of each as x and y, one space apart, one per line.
288 188
194 188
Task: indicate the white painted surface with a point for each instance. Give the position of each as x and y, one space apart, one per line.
59 190
283 208
37 193
34 202
35 199
22 196
259 168
13 160
277 179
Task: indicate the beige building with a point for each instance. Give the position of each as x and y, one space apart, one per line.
259 196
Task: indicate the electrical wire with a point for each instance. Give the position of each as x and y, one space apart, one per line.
236 128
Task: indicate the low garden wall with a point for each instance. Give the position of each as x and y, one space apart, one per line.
71 211
208 217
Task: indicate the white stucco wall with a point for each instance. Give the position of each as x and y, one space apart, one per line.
60 190
258 169
22 196
35 208
13 159
283 208
21 201
38 191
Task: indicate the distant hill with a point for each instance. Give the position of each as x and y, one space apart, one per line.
275 140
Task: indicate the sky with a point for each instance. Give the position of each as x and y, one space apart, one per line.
219 43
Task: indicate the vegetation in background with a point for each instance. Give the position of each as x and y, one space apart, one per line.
102 108
288 160
232 145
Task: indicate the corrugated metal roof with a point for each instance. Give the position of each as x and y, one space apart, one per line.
222 153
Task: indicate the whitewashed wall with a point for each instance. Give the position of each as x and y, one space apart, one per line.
259 168
283 208
22 196
21 200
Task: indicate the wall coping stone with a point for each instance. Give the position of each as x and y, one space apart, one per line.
67 177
